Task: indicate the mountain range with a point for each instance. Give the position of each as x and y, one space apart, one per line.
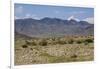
52 27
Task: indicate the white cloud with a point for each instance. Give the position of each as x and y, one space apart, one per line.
35 17
19 10
89 20
28 15
15 17
72 17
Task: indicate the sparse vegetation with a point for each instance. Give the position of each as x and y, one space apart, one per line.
27 42
86 43
71 41
61 42
54 50
89 40
34 43
79 42
74 56
24 46
43 43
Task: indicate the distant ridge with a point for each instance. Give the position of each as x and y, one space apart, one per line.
52 27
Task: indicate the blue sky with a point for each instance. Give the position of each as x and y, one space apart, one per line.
41 11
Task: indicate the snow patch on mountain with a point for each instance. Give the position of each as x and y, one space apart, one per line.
73 18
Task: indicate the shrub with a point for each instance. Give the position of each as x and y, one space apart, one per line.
31 48
89 40
24 46
31 42
79 42
74 56
43 43
61 42
34 43
27 42
71 41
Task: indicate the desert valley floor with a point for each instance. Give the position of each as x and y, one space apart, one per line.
53 50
